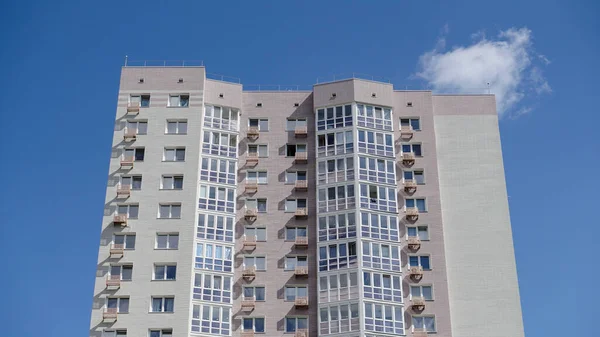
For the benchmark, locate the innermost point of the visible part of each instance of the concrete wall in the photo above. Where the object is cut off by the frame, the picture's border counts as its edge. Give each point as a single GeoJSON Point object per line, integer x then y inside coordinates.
{"type": "Point", "coordinates": [482, 279]}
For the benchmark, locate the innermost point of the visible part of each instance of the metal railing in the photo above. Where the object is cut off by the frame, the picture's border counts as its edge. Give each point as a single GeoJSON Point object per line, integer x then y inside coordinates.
{"type": "Point", "coordinates": [347, 76]}
{"type": "Point", "coordinates": [277, 87]}
{"type": "Point", "coordinates": [163, 63]}
{"type": "Point", "coordinates": [223, 78]}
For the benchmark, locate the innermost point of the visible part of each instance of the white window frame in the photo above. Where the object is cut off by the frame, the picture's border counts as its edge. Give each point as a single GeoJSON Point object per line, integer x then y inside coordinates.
{"type": "Point", "coordinates": [212, 143]}
{"type": "Point", "coordinates": [162, 305]}
{"type": "Point", "coordinates": [257, 177]}
{"type": "Point", "coordinates": [416, 227]}
{"type": "Point", "coordinates": [410, 122]}
{"type": "Point", "coordinates": [412, 325]}
{"type": "Point", "coordinates": [396, 311]}
{"type": "Point", "coordinates": [115, 333]}
{"type": "Point", "coordinates": [296, 288]}
{"type": "Point", "coordinates": [138, 98]}
{"type": "Point", "coordinates": [381, 275]}
{"type": "Point", "coordinates": [335, 143]}
{"type": "Point", "coordinates": [211, 251]}
{"type": "Point", "coordinates": [367, 173]}
{"type": "Point", "coordinates": [298, 122]}
{"type": "Point", "coordinates": [255, 201]}
{"type": "Point", "coordinates": [125, 236]}
{"type": "Point", "coordinates": [218, 170]}
{"type": "Point", "coordinates": [168, 242]}
{"type": "Point", "coordinates": [171, 207]}
{"type": "Point", "coordinates": [366, 116]}
{"type": "Point", "coordinates": [415, 201]}
{"type": "Point", "coordinates": [254, 324]}
{"type": "Point", "coordinates": [225, 286]}
{"type": "Point", "coordinates": [297, 230]}
{"type": "Point", "coordinates": [253, 287]}
{"type": "Point", "coordinates": [296, 263]}
{"type": "Point", "coordinates": [350, 290]}
{"type": "Point", "coordinates": [129, 207]}
{"type": "Point", "coordinates": [165, 272]}
{"type": "Point", "coordinates": [180, 98]}
{"type": "Point", "coordinates": [208, 227]}
{"type": "Point", "coordinates": [412, 174]}
{"type": "Point", "coordinates": [163, 332]}
{"type": "Point", "coordinates": [339, 174]}
{"type": "Point", "coordinates": [297, 147]}
{"type": "Point", "coordinates": [224, 313]}
{"type": "Point", "coordinates": [254, 257]}
{"type": "Point", "coordinates": [296, 174]}
{"type": "Point", "coordinates": [258, 147]}
{"type": "Point", "coordinates": [175, 151]}
{"type": "Point", "coordinates": [164, 186]}
{"type": "Point", "coordinates": [296, 204]}
{"type": "Point", "coordinates": [250, 231]}
{"type": "Point", "coordinates": [347, 228]}
{"type": "Point", "coordinates": [364, 145]}
{"type": "Point", "coordinates": [178, 125]}
{"type": "Point", "coordinates": [135, 125]}
{"type": "Point", "coordinates": [412, 150]}
{"type": "Point", "coordinates": [131, 178]}
{"type": "Point", "coordinates": [420, 256]}
{"type": "Point", "coordinates": [259, 123]}
{"type": "Point", "coordinates": [420, 287]}
{"type": "Point", "coordinates": [220, 117]}
{"type": "Point", "coordinates": [296, 317]}
{"type": "Point", "coordinates": [335, 121]}
{"type": "Point", "coordinates": [134, 150]}
{"type": "Point", "coordinates": [375, 230]}
{"type": "Point", "coordinates": [119, 299]}
{"type": "Point", "coordinates": [121, 266]}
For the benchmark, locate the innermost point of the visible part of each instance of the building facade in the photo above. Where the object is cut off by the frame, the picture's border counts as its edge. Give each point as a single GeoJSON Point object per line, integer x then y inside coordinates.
{"type": "Point", "coordinates": [352, 209]}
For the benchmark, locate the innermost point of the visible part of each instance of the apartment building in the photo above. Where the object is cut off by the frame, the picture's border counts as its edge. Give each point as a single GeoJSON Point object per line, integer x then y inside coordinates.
{"type": "Point", "coordinates": [351, 209]}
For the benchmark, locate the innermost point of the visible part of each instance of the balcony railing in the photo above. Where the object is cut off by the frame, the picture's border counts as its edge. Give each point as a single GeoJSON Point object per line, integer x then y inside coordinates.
{"type": "Point", "coordinates": [406, 131]}
{"type": "Point", "coordinates": [109, 315]}
{"type": "Point", "coordinates": [301, 333]}
{"type": "Point", "coordinates": [113, 281]}
{"type": "Point", "coordinates": [414, 242]}
{"type": "Point", "coordinates": [416, 273]}
{"type": "Point", "coordinates": [129, 135]}
{"type": "Point", "coordinates": [248, 303]}
{"type": "Point", "coordinates": [301, 157]}
{"type": "Point", "coordinates": [117, 250]}
{"type": "Point", "coordinates": [249, 242]}
{"type": "Point", "coordinates": [120, 219]}
{"type": "Point", "coordinates": [301, 302]}
{"type": "Point", "coordinates": [127, 162]}
{"type": "Point", "coordinates": [251, 214]}
{"type": "Point", "coordinates": [412, 213]}
{"type": "Point", "coordinates": [249, 272]}
{"type": "Point", "coordinates": [133, 108]}
{"type": "Point", "coordinates": [123, 191]}
{"type": "Point", "coordinates": [417, 304]}
{"type": "Point", "coordinates": [301, 271]}
{"type": "Point", "coordinates": [410, 185]}
{"type": "Point", "coordinates": [301, 185]}
{"type": "Point", "coordinates": [301, 212]}
{"type": "Point", "coordinates": [301, 241]}
{"type": "Point", "coordinates": [408, 158]}
{"type": "Point", "coordinates": [251, 187]}
{"type": "Point", "coordinates": [301, 131]}
{"type": "Point", "coordinates": [247, 334]}
{"type": "Point", "coordinates": [253, 132]}
{"type": "Point", "coordinates": [252, 158]}
{"type": "Point", "coordinates": [419, 332]}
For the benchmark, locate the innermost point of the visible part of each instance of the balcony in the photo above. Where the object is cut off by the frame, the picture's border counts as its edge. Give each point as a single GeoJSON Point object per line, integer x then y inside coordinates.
{"type": "Point", "coordinates": [301, 302]}
{"type": "Point", "coordinates": [416, 273]}
{"type": "Point", "coordinates": [123, 191]}
{"type": "Point", "coordinates": [301, 212]}
{"type": "Point", "coordinates": [301, 157]}
{"type": "Point", "coordinates": [413, 243]}
{"type": "Point", "coordinates": [247, 334]}
{"type": "Point", "coordinates": [408, 159]}
{"type": "Point", "coordinates": [252, 158]}
{"type": "Point", "coordinates": [301, 185]}
{"type": "Point", "coordinates": [251, 187]}
{"type": "Point", "coordinates": [109, 315]}
{"type": "Point", "coordinates": [120, 219]}
{"type": "Point", "coordinates": [406, 132]}
{"type": "Point", "coordinates": [117, 250]}
{"type": "Point", "coordinates": [113, 282]}
{"type": "Point", "coordinates": [127, 163]}
{"type": "Point", "coordinates": [417, 304]}
{"type": "Point", "coordinates": [410, 186]}
{"type": "Point", "coordinates": [253, 132]}
{"type": "Point", "coordinates": [249, 272]}
{"type": "Point", "coordinates": [129, 135]}
{"type": "Point", "coordinates": [251, 214]}
{"type": "Point", "coordinates": [248, 303]}
{"type": "Point", "coordinates": [412, 213]}
{"type": "Point", "coordinates": [301, 333]}
{"type": "Point", "coordinates": [301, 271]}
{"type": "Point", "coordinates": [249, 242]}
{"type": "Point", "coordinates": [301, 241]}
{"type": "Point", "coordinates": [133, 108]}
{"type": "Point", "coordinates": [301, 131]}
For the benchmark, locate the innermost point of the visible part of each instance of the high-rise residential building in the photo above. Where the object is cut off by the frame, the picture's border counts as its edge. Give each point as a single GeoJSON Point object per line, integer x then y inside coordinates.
{"type": "Point", "coordinates": [351, 209]}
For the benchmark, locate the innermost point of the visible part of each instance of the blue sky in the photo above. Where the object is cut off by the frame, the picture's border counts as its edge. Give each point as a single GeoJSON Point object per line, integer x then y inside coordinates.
{"type": "Point", "coordinates": [60, 73]}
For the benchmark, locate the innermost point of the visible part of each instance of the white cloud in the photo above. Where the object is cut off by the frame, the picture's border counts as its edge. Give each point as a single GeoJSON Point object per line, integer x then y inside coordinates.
{"type": "Point", "coordinates": [507, 64]}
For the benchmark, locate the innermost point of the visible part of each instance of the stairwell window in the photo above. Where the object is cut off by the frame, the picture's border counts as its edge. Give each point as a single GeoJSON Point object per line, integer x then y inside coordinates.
{"type": "Point", "coordinates": [174, 154]}
{"type": "Point", "coordinates": [179, 100]}
{"type": "Point", "coordinates": [169, 211]}
{"type": "Point", "coordinates": [162, 304]}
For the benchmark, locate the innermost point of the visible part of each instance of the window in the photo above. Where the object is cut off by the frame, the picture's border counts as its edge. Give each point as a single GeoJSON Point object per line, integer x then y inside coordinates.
{"type": "Point", "coordinates": [260, 262]}
{"type": "Point", "coordinates": [337, 256]}
{"type": "Point", "coordinates": [257, 292]}
{"type": "Point", "coordinates": [214, 198]}
{"type": "Point", "coordinates": [426, 323]}
{"type": "Point", "coordinates": [374, 117]}
{"type": "Point", "coordinates": [260, 150]}
{"type": "Point", "coordinates": [220, 171]}
{"type": "Point", "coordinates": [384, 318]}
{"type": "Point", "coordinates": [421, 232]}
{"type": "Point", "coordinates": [142, 100]}
{"type": "Point", "coordinates": [172, 182]}
{"type": "Point", "coordinates": [261, 123]}
{"type": "Point", "coordinates": [182, 100]}
{"type": "Point", "coordinates": [211, 319]}
{"type": "Point", "coordinates": [132, 182]}
{"type": "Point", "coordinates": [336, 170]}
{"type": "Point", "coordinates": [292, 324]}
{"type": "Point", "coordinates": [124, 271]}
{"type": "Point", "coordinates": [136, 153]}
{"type": "Point", "coordinates": [334, 117]}
{"type": "Point", "coordinates": [120, 304]}
{"type": "Point", "coordinates": [215, 227]}
{"type": "Point", "coordinates": [292, 124]}
{"type": "Point", "coordinates": [214, 257]}
{"type": "Point", "coordinates": [379, 226]}
{"type": "Point", "coordinates": [223, 118]}
{"type": "Point", "coordinates": [291, 262]}
{"type": "Point", "coordinates": [413, 123]}
{"type": "Point", "coordinates": [422, 291]}
{"type": "Point", "coordinates": [337, 226]}
{"type": "Point", "coordinates": [419, 261]}
{"type": "Point", "coordinates": [293, 292]}
{"type": "Point", "coordinates": [126, 240]}
{"type": "Point", "coordinates": [381, 256]}
{"type": "Point", "coordinates": [292, 176]}
{"type": "Point", "coordinates": [176, 154]}
{"type": "Point", "coordinates": [291, 149]}
{"type": "Point", "coordinates": [418, 203]}
{"type": "Point", "coordinates": [377, 170]}
{"type": "Point", "coordinates": [291, 233]}
{"type": "Point", "coordinates": [258, 204]}
{"type": "Point", "coordinates": [213, 288]}
{"type": "Point", "coordinates": [339, 318]}
{"type": "Point", "coordinates": [176, 127]}
{"type": "Point", "coordinates": [165, 272]}
{"type": "Point", "coordinates": [219, 144]}
{"type": "Point", "coordinates": [378, 198]}
{"type": "Point", "coordinates": [291, 205]}
{"type": "Point", "coordinates": [376, 143]}
{"type": "Point", "coordinates": [335, 143]}
{"type": "Point", "coordinates": [131, 211]}
{"type": "Point", "coordinates": [169, 211]}
{"type": "Point", "coordinates": [338, 287]}
{"type": "Point", "coordinates": [380, 286]}
{"type": "Point", "coordinates": [161, 333]}
{"type": "Point", "coordinates": [414, 148]}
{"type": "Point", "coordinates": [417, 175]}
{"type": "Point", "coordinates": [259, 233]}
{"type": "Point", "coordinates": [167, 241]}
{"type": "Point", "coordinates": [256, 324]}
{"type": "Point", "coordinates": [162, 304]}
{"type": "Point", "coordinates": [137, 127]}
{"type": "Point", "coordinates": [256, 177]}
{"type": "Point", "coordinates": [114, 333]}
{"type": "Point", "coordinates": [336, 198]}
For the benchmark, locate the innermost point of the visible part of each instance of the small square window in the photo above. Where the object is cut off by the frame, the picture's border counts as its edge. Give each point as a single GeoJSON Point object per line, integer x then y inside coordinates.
{"type": "Point", "coordinates": [259, 105]}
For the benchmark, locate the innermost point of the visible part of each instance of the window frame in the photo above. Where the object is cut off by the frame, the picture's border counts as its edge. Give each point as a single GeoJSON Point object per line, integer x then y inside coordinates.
{"type": "Point", "coordinates": [210, 226]}
{"type": "Point", "coordinates": [257, 179]}
{"type": "Point", "coordinates": [163, 304]}
{"type": "Point", "coordinates": [124, 235]}
{"type": "Point", "coordinates": [222, 294]}
{"type": "Point", "coordinates": [178, 123]}
{"type": "Point", "coordinates": [171, 207]}
{"type": "Point", "coordinates": [182, 97]}
{"type": "Point", "coordinates": [165, 272]}
{"type": "Point", "coordinates": [129, 207]}
{"type": "Point", "coordinates": [247, 229]}
{"type": "Point", "coordinates": [296, 174]}
{"type": "Point", "coordinates": [295, 121]}
{"type": "Point", "coordinates": [176, 151]}
{"type": "Point", "coordinates": [412, 323]}
{"type": "Point", "coordinates": [121, 267]}
{"type": "Point", "coordinates": [136, 127]}
{"type": "Point", "coordinates": [295, 287]}
{"type": "Point", "coordinates": [410, 123]}
{"type": "Point", "coordinates": [296, 318]}
{"type": "Point", "coordinates": [419, 259]}
{"type": "Point", "coordinates": [418, 231]}
{"type": "Point", "coordinates": [258, 200]}
{"type": "Point", "coordinates": [212, 262]}
{"type": "Point", "coordinates": [412, 150]}
{"type": "Point", "coordinates": [416, 203]}
{"type": "Point", "coordinates": [173, 177]}
{"type": "Point", "coordinates": [254, 318]}
{"type": "Point", "coordinates": [346, 120]}
{"type": "Point", "coordinates": [168, 241]}
{"type": "Point", "coordinates": [253, 287]}
{"type": "Point", "coordinates": [296, 263]}
{"type": "Point", "coordinates": [162, 332]}
{"type": "Point", "coordinates": [297, 202]}
{"type": "Point", "coordinates": [421, 286]}
{"type": "Point", "coordinates": [258, 147]}
{"type": "Point", "coordinates": [119, 299]}
{"type": "Point", "coordinates": [138, 152]}
{"type": "Point", "coordinates": [143, 98]}
{"type": "Point", "coordinates": [254, 257]}
{"type": "Point", "coordinates": [258, 123]}
{"type": "Point", "coordinates": [413, 175]}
